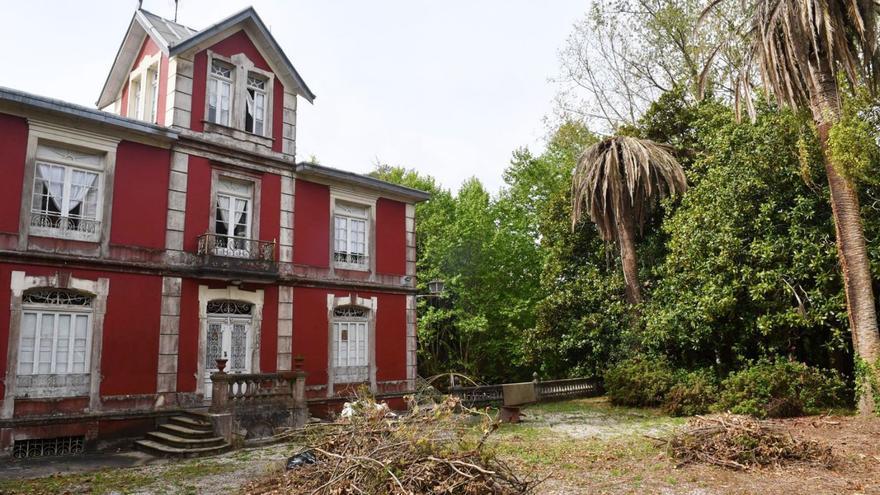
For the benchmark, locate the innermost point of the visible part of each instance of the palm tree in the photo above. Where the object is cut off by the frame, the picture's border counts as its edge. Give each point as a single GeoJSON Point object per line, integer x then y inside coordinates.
{"type": "Point", "coordinates": [618, 180]}
{"type": "Point", "coordinates": [802, 46]}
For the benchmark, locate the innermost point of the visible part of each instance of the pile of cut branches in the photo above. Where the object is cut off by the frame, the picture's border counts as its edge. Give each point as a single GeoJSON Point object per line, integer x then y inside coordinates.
{"type": "Point", "coordinates": [435, 449]}
{"type": "Point", "coordinates": [741, 442]}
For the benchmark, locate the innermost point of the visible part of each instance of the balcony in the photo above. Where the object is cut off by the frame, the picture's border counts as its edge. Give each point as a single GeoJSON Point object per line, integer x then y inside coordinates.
{"type": "Point", "coordinates": [230, 257]}
{"type": "Point", "coordinates": [50, 224]}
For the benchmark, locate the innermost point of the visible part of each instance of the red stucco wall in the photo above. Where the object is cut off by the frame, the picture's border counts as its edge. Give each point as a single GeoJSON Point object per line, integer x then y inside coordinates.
{"type": "Point", "coordinates": [310, 332]}
{"type": "Point", "coordinates": [130, 356]}
{"type": "Point", "coordinates": [13, 148]}
{"type": "Point", "coordinates": [236, 43]}
{"type": "Point", "coordinates": [130, 351]}
{"type": "Point", "coordinates": [140, 195]}
{"type": "Point", "coordinates": [390, 237]}
{"type": "Point", "coordinates": [311, 224]}
{"type": "Point", "coordinates": [198, 201]}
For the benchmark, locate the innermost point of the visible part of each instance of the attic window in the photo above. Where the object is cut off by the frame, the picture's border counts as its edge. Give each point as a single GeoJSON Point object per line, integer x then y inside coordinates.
{"type": "Point", "coordinates": [255, 114]}
{"type": "Point", "coordinates": [220, 92]}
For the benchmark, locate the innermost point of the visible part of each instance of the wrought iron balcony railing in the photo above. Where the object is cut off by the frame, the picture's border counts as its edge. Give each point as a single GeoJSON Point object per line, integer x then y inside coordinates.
{"type": "Point", "coordinates": [67, 227]}
{"type": "Point", "coordinates": [236, 247]}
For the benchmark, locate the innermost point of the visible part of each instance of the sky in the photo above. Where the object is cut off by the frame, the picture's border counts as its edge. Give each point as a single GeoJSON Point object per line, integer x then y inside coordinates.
{"type": "Point", "coordinates": [449, 88]}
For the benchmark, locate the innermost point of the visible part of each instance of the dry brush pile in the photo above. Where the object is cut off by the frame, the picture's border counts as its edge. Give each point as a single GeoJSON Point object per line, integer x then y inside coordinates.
{"type": "Point", "coordinates": [741, 442]}
{"type": "Point", "coordinates": [437, 449]}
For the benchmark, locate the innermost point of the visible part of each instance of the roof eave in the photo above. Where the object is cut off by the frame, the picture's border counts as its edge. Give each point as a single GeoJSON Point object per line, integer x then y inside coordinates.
{"type": "Point", "coordinates": [42, 103]}
{"type": "Point", "coordinates": [245, 15]}
{"type": "Point", "coordinates": [403, 192]}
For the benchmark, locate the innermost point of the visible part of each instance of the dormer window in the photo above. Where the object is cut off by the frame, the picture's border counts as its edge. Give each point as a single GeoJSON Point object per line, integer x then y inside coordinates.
{"type": "Point", "coordinates": [220, 87]}
{"type": "Point", "coordinates": [137, 100]}
{"type": "Point", "coordinates": [255, 114]}
{"type": "Point", "coordinates": [239, 98]}
{"type": "Point", "coordinates": [143, 92]}
{"type": "Point", "coordinates": [154, 96]}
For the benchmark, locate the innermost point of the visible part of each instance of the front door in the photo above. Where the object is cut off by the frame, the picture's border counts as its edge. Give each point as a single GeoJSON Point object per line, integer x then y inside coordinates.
{"type": "Point", "coordinates": [229, 338]}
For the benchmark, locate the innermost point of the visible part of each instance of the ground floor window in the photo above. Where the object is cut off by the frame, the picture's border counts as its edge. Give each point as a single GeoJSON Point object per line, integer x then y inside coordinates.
{"type": "Point", "coordinates": [55, 333]}
{"type": "Point", "coordinates": [350, 344]}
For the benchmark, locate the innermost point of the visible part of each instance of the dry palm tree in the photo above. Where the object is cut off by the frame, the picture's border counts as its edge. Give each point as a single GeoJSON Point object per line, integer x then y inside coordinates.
{"type": "Point", "coordinates": [617, 181]}
{"type": "Point", "coordinates": [802, 46]}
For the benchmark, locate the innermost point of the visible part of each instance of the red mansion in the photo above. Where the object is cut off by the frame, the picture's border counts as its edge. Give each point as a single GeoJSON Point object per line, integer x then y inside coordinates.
{"type": "Point", "coordinates": [142, 242]}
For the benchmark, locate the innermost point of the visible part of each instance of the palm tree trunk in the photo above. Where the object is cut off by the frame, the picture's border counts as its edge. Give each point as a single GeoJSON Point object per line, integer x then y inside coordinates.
{"type": "Point", "coordinates": [626, 236]}
{"type": "Point", "coordinates": [851, 249]}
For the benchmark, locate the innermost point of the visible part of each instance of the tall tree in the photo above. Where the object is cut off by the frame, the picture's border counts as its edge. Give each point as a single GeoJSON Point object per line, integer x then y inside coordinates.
{"type": "Point", "coordinates": [802, 46]}
{"type": "Point", "coordinates": [618, 180]}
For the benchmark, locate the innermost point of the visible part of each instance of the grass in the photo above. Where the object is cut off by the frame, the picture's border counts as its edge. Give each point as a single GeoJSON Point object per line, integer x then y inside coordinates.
{"type": "Point", "coordinates": [98, 482]}
{"type": "Point", "coordinates": [180, 475]}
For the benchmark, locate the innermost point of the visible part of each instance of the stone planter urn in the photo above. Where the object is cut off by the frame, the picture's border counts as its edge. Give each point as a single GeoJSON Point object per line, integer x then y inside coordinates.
{"type": "Point", "coordinates": [221, 364]}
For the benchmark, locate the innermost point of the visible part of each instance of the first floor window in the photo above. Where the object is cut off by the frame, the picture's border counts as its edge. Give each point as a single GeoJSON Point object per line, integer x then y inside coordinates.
{"type": "Point", "coordinates": [233, 218]}
{"type": "Point", "coordinates": [220, 93]}
{"type": "Point", "coordinates": [65, 200]}
{"type": "Point", "coordinates": [55, 333]}
{"type": "Point", "coordinates": [351, 346]}
{"type": "Point", "coordinates": [350, 235]}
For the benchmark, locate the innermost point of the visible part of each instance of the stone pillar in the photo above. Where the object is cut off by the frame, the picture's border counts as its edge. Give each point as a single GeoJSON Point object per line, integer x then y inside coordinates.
{"type": "Point", "coordinates": [169, 327]}
{"type": "Point", "coordinates": [220, 410]}
{"type": "Point", "coordinates": [300, 406]}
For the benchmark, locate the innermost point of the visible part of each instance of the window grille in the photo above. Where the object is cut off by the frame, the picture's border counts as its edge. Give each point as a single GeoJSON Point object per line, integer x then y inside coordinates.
{"type": "Point", "coordinates": [46, 447]}
{"type": "Point", "coordinates": [225, 307]}
{"type": "Point", "coordinates": [57, 296]}
{"type": "Point", "coordinates": [350, 312]}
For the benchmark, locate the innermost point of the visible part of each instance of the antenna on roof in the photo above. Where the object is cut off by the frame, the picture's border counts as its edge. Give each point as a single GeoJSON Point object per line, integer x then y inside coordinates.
{"type": "Point", "coordinates": [175, 10]}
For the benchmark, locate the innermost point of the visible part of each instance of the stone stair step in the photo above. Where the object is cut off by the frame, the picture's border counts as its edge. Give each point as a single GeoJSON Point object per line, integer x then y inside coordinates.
{"type": "Point", "coordinates": [161, 449]}
{"type": "Point", "coordinates": [182, 442]}
{"type": "Point", "coordinates": [185, 432]}
{"type": "Point", "coordinates": [191, 423]}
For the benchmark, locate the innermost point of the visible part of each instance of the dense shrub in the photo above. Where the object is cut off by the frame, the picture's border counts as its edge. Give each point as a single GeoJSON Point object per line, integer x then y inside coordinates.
{"type": "Point", "coordinates": [781, 389]}
{"type": "Point", "coordinates": [693, 393]}
{"type": "Point", "coordinates": [639, 381]}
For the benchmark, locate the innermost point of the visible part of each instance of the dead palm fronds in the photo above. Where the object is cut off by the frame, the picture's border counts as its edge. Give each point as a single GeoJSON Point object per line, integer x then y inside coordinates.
{"type": "Point", "coordinates": [617, 181]}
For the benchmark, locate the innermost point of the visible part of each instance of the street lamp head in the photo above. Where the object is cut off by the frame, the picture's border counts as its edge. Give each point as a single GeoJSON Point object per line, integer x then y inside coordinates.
{"type": "Point", "coordinates": [435, 287]}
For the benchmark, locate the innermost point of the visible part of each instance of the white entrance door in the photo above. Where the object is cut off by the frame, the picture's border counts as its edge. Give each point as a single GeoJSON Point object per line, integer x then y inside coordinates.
{"type": "Point", "coordinates": [228, 337]}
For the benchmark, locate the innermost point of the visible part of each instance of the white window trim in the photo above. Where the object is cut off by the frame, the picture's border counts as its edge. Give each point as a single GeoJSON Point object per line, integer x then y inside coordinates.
{"type": "Point", "coordinates": [238, 98]}
{"type": "Point", "coordinates": [76, 140]}
{"type": "Point", "coordinates": [69, 166]}
{"type": "Point", "coordinates": [21, 282]}
{"type": "Point", "coordinates": [371, 305]}
{"type": "Point", "coordinates": [235, 294]}
{"type": "Point", "coordinates": [369, 204]}
{"type": "Point", "coordinates": [231, 221]}
{"type": "Point", "coordinates": [217, 175]}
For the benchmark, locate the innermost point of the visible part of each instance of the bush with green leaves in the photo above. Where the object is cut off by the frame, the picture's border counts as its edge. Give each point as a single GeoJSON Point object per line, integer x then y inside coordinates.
{"type": "Point", "coordinates": [639, 381]}
{"type": "Point", "coordinates": [694, 393]}
{"type": "Point", "coordinates": [782, 388]}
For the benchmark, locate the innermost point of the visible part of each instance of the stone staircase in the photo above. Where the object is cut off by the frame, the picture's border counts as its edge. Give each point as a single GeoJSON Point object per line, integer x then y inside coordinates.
{"type": "Point", "coordinates": [187, 435]}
